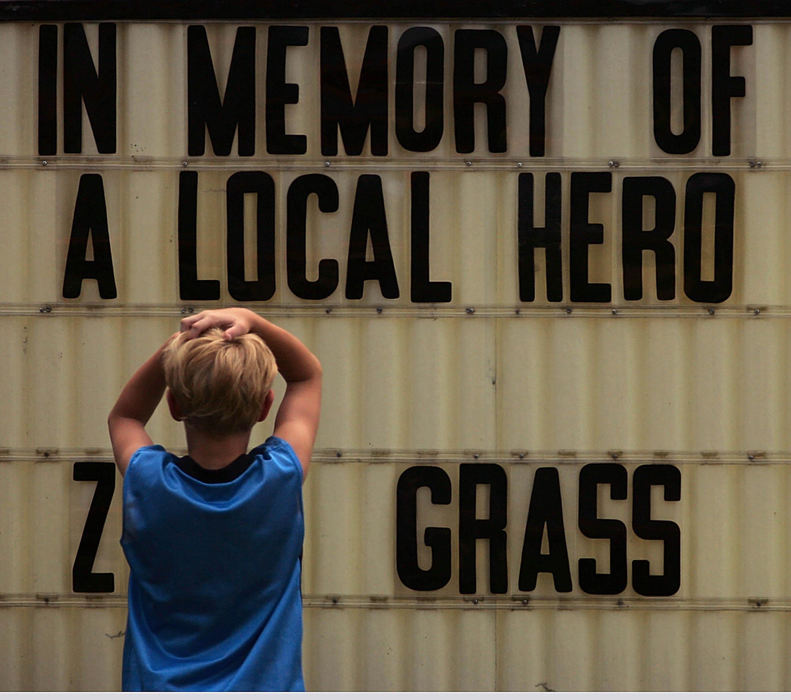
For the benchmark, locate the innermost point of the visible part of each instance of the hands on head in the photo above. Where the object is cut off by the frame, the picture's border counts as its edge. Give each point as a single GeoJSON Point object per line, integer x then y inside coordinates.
{"type": "Point", "coordinates": [232, 321]}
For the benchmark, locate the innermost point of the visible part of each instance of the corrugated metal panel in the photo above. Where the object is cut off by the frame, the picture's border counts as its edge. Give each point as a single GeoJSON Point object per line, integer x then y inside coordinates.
{"type": "Point", "coordinates": [484, 379]}
{"type": "Point", "coordinates": [595, 113]}
{"type": "Point", "coordinates": [590, 385]}
{"type": "Point", "coordinates": [365, 629]}
{"type": "Point", "coordinates": [61, 647]}
{"type": "Point", "coordinates": [561, 650]}
{"type": "Point", "coordinates": [467, 211]}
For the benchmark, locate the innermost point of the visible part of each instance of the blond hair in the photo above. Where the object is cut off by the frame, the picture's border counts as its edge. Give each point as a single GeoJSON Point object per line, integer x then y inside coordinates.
{"type": "Point", "coordinates": [219, 385]}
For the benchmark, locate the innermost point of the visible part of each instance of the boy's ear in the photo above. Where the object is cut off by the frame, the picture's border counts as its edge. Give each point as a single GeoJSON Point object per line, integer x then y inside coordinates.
{"type": "Point", "coordinates": [175, 411]}
{"type": "Point", "coordinates": [270, 397]}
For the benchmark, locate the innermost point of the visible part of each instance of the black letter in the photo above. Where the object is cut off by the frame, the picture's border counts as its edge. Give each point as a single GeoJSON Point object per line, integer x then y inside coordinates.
{"type": "Point", "coordinates": [436, 538]}
{"type": "Point", "coordinates": [83, 580]}
{"type": "Point", "coordinates": [263, 287]}
{"type": "Point", "coordinates": [466, 92]}
{"type": "Point", "coordinates": [723, 84]}
{"type": "Point", "coordinates": [190, 287]}
{"type": "Point", "coordinates": [90, 218]}
{"type": "Point", "coordinates": [337, 107]}
{"type": "Point", "coordinates": [423, 289]}
{"type": "Point", "coordinates": [546, 508]}
{"type": "Point", "coordinates": [643, 581]}
{"type": "Point", "coordinates": [720, 288]}
{"type": "Point", "coordinates": [636, 239]}
{"type": "Point", "coordinates": [48, 89]}
{"type": "Point", "coordinates": [491, 528]}
{"type": "Point", "coordinates": [279, 93]}
{"type": "Point", "coordinates": [537, 64]}
{"type": "Point", "coordinates": [369, 216]}
{"type": "Point", "coordinates": [584, 233]}
{"type": "Point", "coordinates": [429, 138]}
{"type": "Point", "coordinates": [327, 194]}
{"type": "Point", "coordinates": [83, 83]}
{"type": "Point", "coordinates": [237, 107]}
{"type": "Point", "coordinates": [688, 43]}
{"type": "Point", "coordinates": [531, 237]}
{"type": "Point", "coordinates": [592, 526]}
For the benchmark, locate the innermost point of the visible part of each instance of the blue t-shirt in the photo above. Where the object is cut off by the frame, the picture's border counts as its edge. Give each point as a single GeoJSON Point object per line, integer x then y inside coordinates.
{"type": "Point", "coordinates": [214, 583]}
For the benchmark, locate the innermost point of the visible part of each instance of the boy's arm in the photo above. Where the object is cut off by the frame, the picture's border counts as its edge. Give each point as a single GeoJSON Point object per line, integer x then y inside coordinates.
{"type": "Point", "coordinates": [297, 418]}
{"type": "Point", "coordinates": [133, 408]}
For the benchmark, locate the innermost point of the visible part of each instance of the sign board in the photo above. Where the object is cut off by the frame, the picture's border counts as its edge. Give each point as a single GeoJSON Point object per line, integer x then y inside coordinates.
{"type": "Point", "coordinates": [542, 262]}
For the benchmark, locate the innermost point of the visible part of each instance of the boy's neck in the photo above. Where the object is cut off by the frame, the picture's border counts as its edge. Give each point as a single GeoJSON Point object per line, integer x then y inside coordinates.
{"type": "Point", "coordinates": [212, 452]}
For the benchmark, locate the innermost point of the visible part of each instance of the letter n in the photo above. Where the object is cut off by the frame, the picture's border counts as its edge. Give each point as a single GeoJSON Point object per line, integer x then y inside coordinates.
{"type": "Point", "coordinates": [84, 84]}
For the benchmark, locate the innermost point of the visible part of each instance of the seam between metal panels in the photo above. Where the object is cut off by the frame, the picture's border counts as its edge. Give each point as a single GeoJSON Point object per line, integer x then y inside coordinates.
{"type": "Point", "coordinates": [512, 603]}
{"type": "Point", "coordinates": [94, 310]}
{"type": "Point", "coordinates": [329, 456]}
{"type": "Point", "coordinates": [526, 603]}
{"type": "Point", "coordinates": [513, 163]}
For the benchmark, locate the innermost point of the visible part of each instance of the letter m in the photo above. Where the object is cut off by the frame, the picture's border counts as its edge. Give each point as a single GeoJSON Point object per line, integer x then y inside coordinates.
{"type": "Point", "coordinates": [206, 109]}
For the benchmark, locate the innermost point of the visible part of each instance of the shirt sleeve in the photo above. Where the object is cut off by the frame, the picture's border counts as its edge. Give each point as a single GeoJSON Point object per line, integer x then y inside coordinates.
{"type": "Point", "coordinates": [141, 453]}
{"type": "Point", "coordinates": [278, 446]}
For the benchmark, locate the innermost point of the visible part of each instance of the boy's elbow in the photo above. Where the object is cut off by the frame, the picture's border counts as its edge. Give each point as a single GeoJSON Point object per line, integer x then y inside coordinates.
{"type": "Point", "coordinates": [113, 420]}
{"type": "Point", "coordinates": [113, 424]}
{"type": "Point", "coordinates": [311, 369]}
{"type": "Point", "coordinates": [119, 416]}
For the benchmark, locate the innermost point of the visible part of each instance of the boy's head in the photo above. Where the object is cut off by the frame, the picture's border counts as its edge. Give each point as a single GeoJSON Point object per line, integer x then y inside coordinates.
{"type": "Point", "coordinates": [219, 386]}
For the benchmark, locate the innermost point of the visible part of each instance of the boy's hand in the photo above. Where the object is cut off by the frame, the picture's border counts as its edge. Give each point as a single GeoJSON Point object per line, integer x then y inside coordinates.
{"type": "Point", "coordinates": [234, 321]}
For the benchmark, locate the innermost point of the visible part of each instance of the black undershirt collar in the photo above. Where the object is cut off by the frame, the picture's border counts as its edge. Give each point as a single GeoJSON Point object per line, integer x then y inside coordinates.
{"type": "Point", "coordinates": [215, 476]}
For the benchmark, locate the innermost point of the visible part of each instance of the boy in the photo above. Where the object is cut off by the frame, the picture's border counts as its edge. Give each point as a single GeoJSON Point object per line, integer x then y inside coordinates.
{"type": "Point", "coordinates": [214, 539]}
